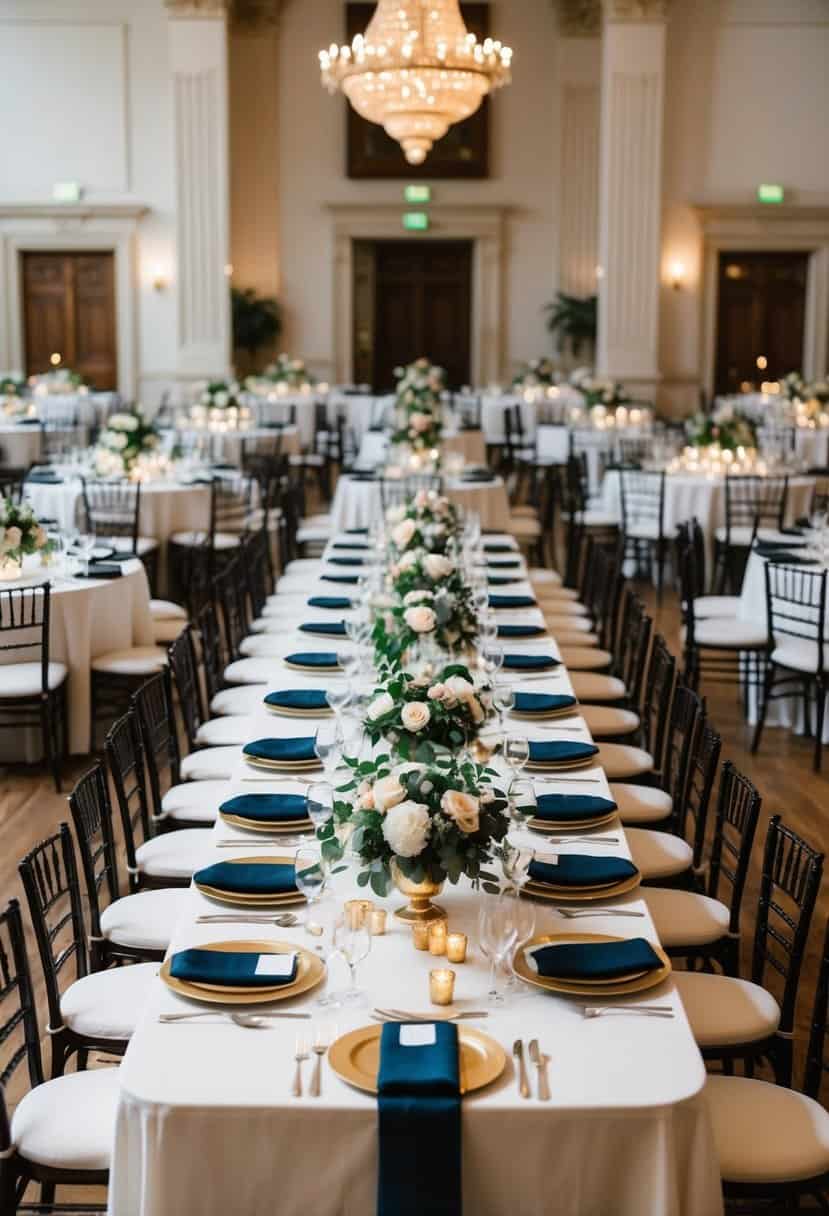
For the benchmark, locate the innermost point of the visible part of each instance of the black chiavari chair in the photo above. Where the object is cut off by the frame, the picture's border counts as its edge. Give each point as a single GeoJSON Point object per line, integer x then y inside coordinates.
{"type": "Point", "coordinates": [112, 512]}
{"type": "Point", "coordinates": [645, 534]}
{"type": "Point", "coordinates": [397, 491]}
{"type": "Point", "coordinates": [753, 504]}
{"type": "Point", "coordinates": [624, 763]}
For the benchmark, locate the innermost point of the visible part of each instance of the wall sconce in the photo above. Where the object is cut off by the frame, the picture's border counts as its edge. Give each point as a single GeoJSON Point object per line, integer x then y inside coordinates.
{"type": "Point", "coordinates": [158, 279]}
{"type": "Point", "coordinates": [676, 275]}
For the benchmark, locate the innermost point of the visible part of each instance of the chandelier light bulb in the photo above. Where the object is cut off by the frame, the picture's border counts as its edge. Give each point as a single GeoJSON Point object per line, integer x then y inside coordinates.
{"type": "Point", "coordinates": [416, 71]}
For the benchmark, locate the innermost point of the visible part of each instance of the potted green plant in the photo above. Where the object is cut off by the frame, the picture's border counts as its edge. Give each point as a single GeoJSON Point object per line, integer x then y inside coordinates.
{"type": "Point", "coordinates": [257, 321]}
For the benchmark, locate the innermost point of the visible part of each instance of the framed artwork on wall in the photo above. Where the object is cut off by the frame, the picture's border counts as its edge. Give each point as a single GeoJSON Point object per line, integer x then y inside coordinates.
{"type": "Point", "coordinates": [462, 153]}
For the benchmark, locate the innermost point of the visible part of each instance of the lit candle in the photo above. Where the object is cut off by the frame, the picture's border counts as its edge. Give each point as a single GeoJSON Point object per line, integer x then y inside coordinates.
{"type": "Point", "coordinates": [358, 911]}
{"type": "Point", "coordinates": [377, 922]}
{"type": "Point", "coordinates": [456, 947]}
{"type": "Point", "coordinates": [441, 986]}
{"type": "Point", "coordinates": [420, 934]}
{"type": "Point", "coordinates": [437, 937]}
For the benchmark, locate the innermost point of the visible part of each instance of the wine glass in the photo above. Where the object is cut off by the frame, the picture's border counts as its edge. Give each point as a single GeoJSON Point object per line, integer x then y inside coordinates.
{"type": "Point", "coordinates": [308, 874]}
{"type": "Point", "coordinates": [347, 661]}
{"type": "Point", "coordinates": [523, 803]}
{"type": "Point", "coordinates": [327, 742]}
{"type": "Point", "coordinates": [497, 934]}
{"type": "Point", "coordinates": [84, 545]}
{"type": "Point", "coordinates": [524, 917]}
{"type": "Point", "coordinates": [493, 657]}
{"type": "Point", "coordinates": [320, 803]}
{"type": "Point", "coordinates": [338, 695]}
{"type": "Point", "coordinates": [352, 942]}
{"type": "Point", "coordinates": [515, 863]}
{"type": "Point", "coordinates": [504, 699]}
{"type": "Point", "coordinates": [516, 752]}
{"type": "Point", "coordinates": [320, 925]}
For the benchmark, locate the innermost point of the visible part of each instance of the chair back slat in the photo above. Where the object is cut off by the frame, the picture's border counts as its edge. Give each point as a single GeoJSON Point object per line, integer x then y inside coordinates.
{"type": "Point", "coordinates": [685, 725]}
{"type": "Point", "coordinates": [656, 707]}
{"type": "Point", "coordinates": [92, 818]}
{"type": "Point", "coordinates": [817, 1058]}
{"type": "Point", "coordinates": [752, 502]}
{"type": "Point", "coordinates": [125, 758]}
{"type": "Point", "coordinates": [229, 593]}
{"type": "Point", "coordinates": [112, 508]}
{"type": "Point", "coordinates": [211, 649]}
{"type": "Point", "coordinates": [19, 1039]}
{"type": "Point", "coordinates": [703, 759]}
{"type": "Point", "coordinates": [153, 704]}
{"type": "Point", "coordinates": [738, 809]}
{"type": "Point", "coordinates": [184, 669]}
{"type": "Point", "coordinates": [643, 500]}
{"type": "Point", "coordinates": [796, 607]}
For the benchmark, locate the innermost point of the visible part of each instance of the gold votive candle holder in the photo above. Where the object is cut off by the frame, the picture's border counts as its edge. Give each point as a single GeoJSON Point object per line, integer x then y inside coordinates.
{"type": "Point", "coordinates": [377, 922]}
{"type": "Point", "coordinates": [437, 937]}
{"type": "Point", "coordinates": [420, 934]}
{"type": "Point", "coordinates": [456, 947]}
{"type": "Point", "coordinates": [441, 986]}
{"type": "Point", "coordinates": [357, 912]}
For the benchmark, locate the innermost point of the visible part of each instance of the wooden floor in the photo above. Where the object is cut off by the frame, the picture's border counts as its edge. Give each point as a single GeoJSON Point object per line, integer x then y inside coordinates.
{"type": "Point", "coordinates": [30, 809]}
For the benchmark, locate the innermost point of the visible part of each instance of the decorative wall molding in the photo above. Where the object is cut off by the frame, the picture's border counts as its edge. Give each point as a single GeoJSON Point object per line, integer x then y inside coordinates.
{"type": "Point", "coordinates": [197, 8]}
{"type": "Point", "coordinates": [636, 10]}
{"type": "Point", "coordinates": [482, 224]}
{"type": "Point", "coordinates": [80, 213]}
{"type": "Point", "coordinates": [579, 177]}
{"type": "Point", "coordinates": [580, 18]}
{"type": "Point", "coordinates": [243, 13]}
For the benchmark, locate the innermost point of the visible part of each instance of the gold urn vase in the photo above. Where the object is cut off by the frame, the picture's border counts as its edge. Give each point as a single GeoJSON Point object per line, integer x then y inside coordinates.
{"type": "Point", "coordinates": [419, 894]}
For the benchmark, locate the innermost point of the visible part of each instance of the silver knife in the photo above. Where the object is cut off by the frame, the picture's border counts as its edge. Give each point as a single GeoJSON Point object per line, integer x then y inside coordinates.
{"type": "Point", "coordinates": [540, 1060]}
{"type": "Point", "coordinates": [523, 1083]}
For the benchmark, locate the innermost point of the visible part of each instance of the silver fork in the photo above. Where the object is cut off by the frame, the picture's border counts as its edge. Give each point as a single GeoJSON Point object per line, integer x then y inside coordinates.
{"type": "Point", "coordinates": [285, 921]}
{"type": "Point", "coordinates": [168, 1018]}
{"type": "Point", "coordinates": [646, 1011]}
{"type": "Point", "coordinates": [575, 913]}
{"type": "Point", "coordinates": [402, 1015]}
{"type": "Point", "coordinates": [300, 1055]}
{"type": "Point", "coordinates": [320, 1048]}
{"type": "Point", "coordinates": [582, 840]}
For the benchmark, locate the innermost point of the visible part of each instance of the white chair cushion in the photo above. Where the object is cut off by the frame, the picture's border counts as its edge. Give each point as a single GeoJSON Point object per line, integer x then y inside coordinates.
{"type": "Point", "coordinates": [764, 1133]}
{"type": "Point", "coordinates": [166, 610]}
{"type": "Point", "coordinates": [724, 1011]}
{"type": "Point", "coordinates": [716, 605]}
{"type": "Point", "coordinates": [641, 803]}
{"type": "Point", "coordinates": [590, 686]}
{"type": "Point", "coordinates": [69, 1123]}
{"type": "Point", "coordinates": [566, 637]}
{"type": "Point", "coordinates": [798, 654]}
{"type": "Point", "coordinates": [167, 631]}
{"type": "Point", "coordinates": [210, 764]}
{"type": "Point", "coordinates": [174, 854]}
{"type": "Point", "coordinates": [524, 526]}
{"type": "Point", "coordinates": [658, 854]}
{"type": "Point", "coordinates": [684, 918]}
{"type": "Point", "coordinates": [135, 661]}
{"type": "Point", "coordinates": [143, 545]}
{"type": "Point", "coordinates": [620, 761]}
{"type": "Point", "coordinates": [26, 680]}
{"type": "Point", "coordinates": [308, 534]}
{"type": "Point", "coordinates": [729, 632]}
{"type": "Point", "coordinates": [301, 565]}
{"type": "Point", "coordinates": [604, 720]}
{"type": "Point", "coordinates": [231, 730]}
{"type": "Point", "coordinates": [242, 699]}
{"type": "Point", "coordinates": [144, 921]}
{"type": "Point", "coordinates": [221, 540]}
{"type": "Point", "coordinates": [646, 529]}
{"type": "Point", "coordinates": [585, 658]}
{"type": "Point", "coordinates": [272, 645]}
{"type": "Point", "coordinates": [107, 1004]}
{"type": "Point", "coordinates": [198, 801]}
{"type": "Point", "coordinates": [541, 577]}
{"type": "Point", "coordinates": [253, 671]}
{"type": "Point", "coordinates": [569, 610]}
{"type": "Point", "coordinates": [594, 517]}
{"type": "Point", "coordinates": [498, 538]}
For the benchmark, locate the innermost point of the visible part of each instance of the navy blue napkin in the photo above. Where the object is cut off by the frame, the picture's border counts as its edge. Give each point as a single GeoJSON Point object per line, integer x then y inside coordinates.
{"type": "Point", "coordinates": [542, 702]}
{"type": "Point", "coordinates": [477, 476]}
{"type": "Point", "coordinates": [582, 870]}
{"type": "Point", "coordinates": [231, 967]}
{"type": "Point", "coordinates": [345, 544]}
{"type": "Point", "coordinates": [332, 602]}
{"type": "Point", "coordinates": [333, 629]}
{"type": "Point", "coordinates": [356, 531]}
{"type": "Point", "coordinates": [502, 580]}
{"type": "Point", "coordinates": [790, 559]}
{"type": "Point", "coordinates": [103, 570]}
{"type": "Point", "coordinates": [511, 565]}
{"type": "Point", "coordinates": [530, 662]}
{"type": "Point", "coordinates": [493, 546]}
{"type": "Point", "coordinates": [563, 807]}
{"type": "Point", "coordinates": [46, 478]}
{"type": "Point", "coordinates": [351, 579]}
{"type": "Point", "coordinates": [345, 561]}
{"type": "Point", "coordinates": [298, 698]}
{"type": "Point", "coordinates": [512, 601]}
{"type": "Point", "coordinates": [596, 960]}
{"type": "Point", "coordinates": [117, 555]}
{"type": "Point", "coordinates": [775, 546]}
{"type": "Point", "coordinates": [248, 878]}
{"type": "Point", "coordinates": [281, 749]}
{"type": "Point", "coordinates": [558, 751]}
{"type": "Point", "coordinates": [267, 808]}
{"type": "Point", "coordinates": [419, 1114]}
{"type": "Point", "coordinates": [521, 631]}
{"type": "Point", "coordinates": [325, 660]}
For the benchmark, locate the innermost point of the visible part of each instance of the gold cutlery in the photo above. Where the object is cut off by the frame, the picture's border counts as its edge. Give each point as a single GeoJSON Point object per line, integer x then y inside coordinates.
{"type": "Point", "coordinates": [403, 1015]}
{"type": "Point", "coordinates": [300, 1056]}
{"type": "Point", "coordinates": [285, 921]}
{"type": "Point", "coordinates": [575, 913]}
{"type": "Point", "coordinates": [172, 1018]}
{"type": "Point", "coordinates": [320, 1048]}
{"type": "Point", "coordinates": [260, 844]}
{"type": "Point", "coordinates": [577, 840]}
{"type": "Point", "coordinates": [540, 1060]}
{"type": "Point", "coordinates": [647, 1011]}
{"type": "Point", "coordinates": [523, 1083]}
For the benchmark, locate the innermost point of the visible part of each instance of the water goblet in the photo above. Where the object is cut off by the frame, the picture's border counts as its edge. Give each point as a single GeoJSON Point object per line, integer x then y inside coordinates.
{"type": "Point", "coordinates": [352, 942]}
{"type": "Point", "coordinates": [523, 803]}
{"type": "Point", "coordinates": [308, 873]}
{"type": "Point", "coordinates": [497, 934]}
{"type": "Point", "coordinates": [320, 803]}
{"type": "Point", "coordinates": [84, 546]}
{"type": "Point", "coordinates": [347, 661]}
{"type": "Point", "coordinates": [338, 695]}
{"type": "Point", "coordinates": [504, 699]}
{"type": "Point", "coordinates": [524, 916]}
{"type": "Point", "coordinates": [516, 752]}
{"type": "Point", "coordinates": [327, 743]}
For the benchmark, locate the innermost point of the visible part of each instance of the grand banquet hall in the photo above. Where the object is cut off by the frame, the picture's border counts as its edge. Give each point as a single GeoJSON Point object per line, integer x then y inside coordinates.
{"type": "Point", "coordinates": [414, 639]}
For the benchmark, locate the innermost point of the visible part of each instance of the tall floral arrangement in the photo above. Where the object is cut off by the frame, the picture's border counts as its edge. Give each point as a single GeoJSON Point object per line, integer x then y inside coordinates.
{"type": "Point", "coordinates": [58, 382]}
{"type": "Point", "coordinates": [726, 425]}
{"type": "Point", "coordinates": [20, 533]}
{"type": "Point", "coordinates": [428, 521]}
{"type": "Point", "coordinates": [538, 373]}
{"type": "Point", "coordinates": [292, 373]}
{"type": "Point", "coordinates": [220, 395]}
{"type": "Point", "coordinates": [417, 409]}
{"type": "Point", "coordinates": [126, 437]}
{"type": "Point", "coordinates": [595, 391]}
{"type": "Point", "coordinates": [434, 708]}
{"type": "Point", "coordinates": [793, 387]}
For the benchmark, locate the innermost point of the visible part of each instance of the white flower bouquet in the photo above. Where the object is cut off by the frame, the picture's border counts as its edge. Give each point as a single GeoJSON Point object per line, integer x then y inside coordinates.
{"type": "Point", "coordinates": [538, 373]}
{"type": "Point", "coordinates": [124, 438]}
{"type": "Point", "coordinates": [288, 371]}
{"type": "Point", "coordinates": [418, 411]}
{"type": "Point", "coordinates": [20, 533]}
{"type": "Point", "coordinates": [726, 426]}
{"type": "Point", "coordinates": [220, 395]}
{"type": "Point", "coordinates": [429, 521]}
{"type": "Point", "coordinates": [419, 713]}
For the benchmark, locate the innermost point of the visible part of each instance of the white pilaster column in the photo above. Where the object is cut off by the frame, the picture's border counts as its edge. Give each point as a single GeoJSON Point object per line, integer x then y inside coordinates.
{"type": "Point", "coordinates": [198, 67]}
{"type": "Point", "coordinates": [630, 190]}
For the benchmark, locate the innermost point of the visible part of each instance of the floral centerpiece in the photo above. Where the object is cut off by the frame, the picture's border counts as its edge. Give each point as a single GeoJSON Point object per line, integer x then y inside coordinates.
{"type": "Point", "coordinates": [124, 438]}
{"type": "Point", "coordinates": [20, 535]}
{"type": "Point", "coordinates": [416, 713]}
{"type": "Point", "coordinates": [429, 521]}
{"type": "Point", "coordinates": [220, 395]}
{"type": "Point", "coordinates": [417, 410]}
{"type": "Point", "coordinates": [607, 393]}
{"type": "Point", "coordinates": [538, 373]}
{"type": "Point", "coordinates": [285, 372]}
{"type": "Point", "coordinates": [794, 388]}
{"type": "Point", "coordinates": [726, 425]}
{"type": "Point", "coordinates": [12, 401]}
{"type": "Point", "coordinates": [444, 618]}
{"type": "Point", "coordinates": [417, 825]}
{"type": "Point", "coordinates": [59, 382]}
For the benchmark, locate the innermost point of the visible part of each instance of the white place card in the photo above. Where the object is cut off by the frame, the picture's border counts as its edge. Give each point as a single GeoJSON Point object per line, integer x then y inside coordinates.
{"type": "Point", "coordinates": [278, 965]}
{"type": "Point", "coordinates": [423, 1035]}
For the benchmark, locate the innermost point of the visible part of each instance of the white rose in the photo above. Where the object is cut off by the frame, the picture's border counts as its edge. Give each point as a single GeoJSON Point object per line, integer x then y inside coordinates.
{"type": "Point", "coordinates": [388, 792]}
{"type": "Point", "coordinates": [437, 567]}
{"type": "Point", "coordinates": [421, 619]}
{"type": "Point", "coordinates": [439, 692]}
{"type": "Point", "coordinates": [417, 597]}
{"type": "Point", "coordinates": [462, 808]}
{"type": "Point", "coordinates": [420, 500]}
{"type": "Point", "coordinates": [403, 533]}
{"type": "Point", "coordinates": [406, 828]}
{"type": "Point", "coordinates": [416, 715]}
{"type": "Point", "coordinates": [380, 706]}
{"type": "Point", "coordinates": [407, 561]}
{"type": "Point", "coordinates": [13, 537]}
{"type": "Point", "coordinates": [460, 688]}
{"type": "Point", "coordinates": [395, 514]}
{"type": "Point", "coordinates": [119, 441]}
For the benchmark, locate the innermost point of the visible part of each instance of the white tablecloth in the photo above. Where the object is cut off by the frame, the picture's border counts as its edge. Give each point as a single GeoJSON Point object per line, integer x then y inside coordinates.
{"type": "Point", "coordinates": [20, 445]}
{"type": "Point", "coordinates": [356, 503]}
{"type": "Point", "coordinates": [205, 1122]}
{"type": "Point", "coordinates": [88, 618]}
{"type": "Point", "coordinates": [227, 445]}
{"type": "Point", "coordinates": [374, 447]}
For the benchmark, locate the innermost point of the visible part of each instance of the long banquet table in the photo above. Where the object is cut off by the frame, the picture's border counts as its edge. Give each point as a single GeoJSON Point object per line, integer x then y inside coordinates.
{"type": "Point", "coordinates": [206, 1122]}
{"type": "Point", "coordinates": [357, 502]}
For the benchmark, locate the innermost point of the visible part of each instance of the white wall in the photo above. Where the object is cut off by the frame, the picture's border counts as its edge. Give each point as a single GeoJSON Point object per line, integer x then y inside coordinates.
{"type": "Point", "coordinates": [85, 95]}
{"type": "Point", "coordinates": [311, 174]}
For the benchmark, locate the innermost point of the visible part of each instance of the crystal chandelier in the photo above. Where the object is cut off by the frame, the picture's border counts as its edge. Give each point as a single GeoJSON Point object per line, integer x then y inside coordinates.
{"type": "Point", "coordinates": [416, 71]}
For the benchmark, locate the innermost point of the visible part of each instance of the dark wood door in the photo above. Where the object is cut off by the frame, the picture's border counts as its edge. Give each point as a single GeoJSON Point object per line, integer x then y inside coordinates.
{"type": "Point", "coordinates": [69, 310]}
{"type": "Point", "coordinates": [760, 318]}
{"type": "Point", "coordinates": [422, 303]}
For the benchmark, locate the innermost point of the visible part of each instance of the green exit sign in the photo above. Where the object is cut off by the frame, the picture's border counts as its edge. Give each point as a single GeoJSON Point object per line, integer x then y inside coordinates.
{"type": "Point", "coordinates": [770, 193]}
{"type": "Point", "coordinates": [416, 221]}
{"type": "Point", "coordinates": [417, 194]}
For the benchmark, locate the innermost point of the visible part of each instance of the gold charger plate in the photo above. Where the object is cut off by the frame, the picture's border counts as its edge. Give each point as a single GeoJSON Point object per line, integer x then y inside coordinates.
{"type": "Point", "coordinates": [256, 825]}
{"type": "Point", "coordinates": [547, 766]}
{"type": "Point", "coordinates": [560, 825]}
{"type": "Point", "coordinates": [548, 713]}
{"type": "Point", "coordinates": [629, 984]}
{"type": "Point", "coordinates": [310, 971]}
{"type": "Point", "coordinates": [235, 897]}
{"type": "Point", "coordinates": [355, 1057]}
{"type": "Point", "coordinates": [579, 894]}
{"type": "Point", "coordinates": [315, 669]}
{"type": "Point", "coordinates": [284, 711]}
{"type": "Point", "coordinates": [282, 766]}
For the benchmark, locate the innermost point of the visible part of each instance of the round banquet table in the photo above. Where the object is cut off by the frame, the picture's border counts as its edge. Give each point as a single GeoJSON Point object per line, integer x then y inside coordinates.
{"type": "Point", "coordinates": [166, 507]}
{"type": "Point", "coordinates": [21, 443]}
{"type": "Point", "coordinates": [88, 618]}
{"type": "Point", "coordinates": [227, 445]}
{"type": "Point", "coordinates": [691, 494]}
{"type": "Point", "coordinates": [356, 503]}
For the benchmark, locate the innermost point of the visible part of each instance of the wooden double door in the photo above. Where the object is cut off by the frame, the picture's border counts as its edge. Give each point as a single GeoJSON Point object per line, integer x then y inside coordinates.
{"type": "Point", "coordinates": [69, 311]}
{"type": "Point", "coordinates": [412, 298]}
